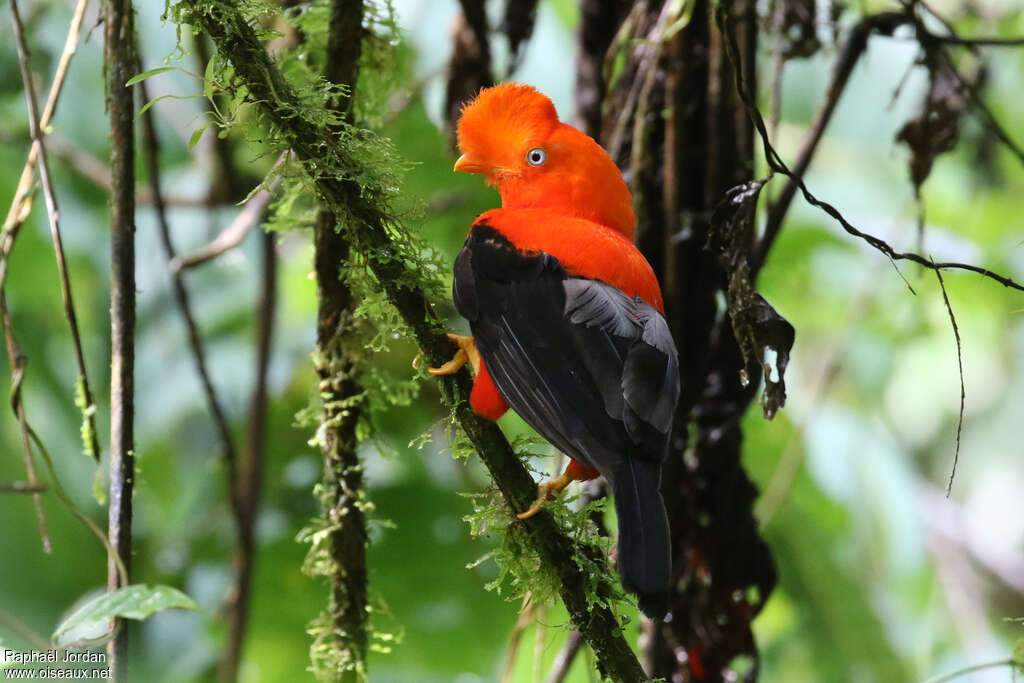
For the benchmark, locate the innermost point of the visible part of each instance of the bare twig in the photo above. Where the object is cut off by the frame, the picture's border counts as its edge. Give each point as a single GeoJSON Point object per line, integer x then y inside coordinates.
{"type": "Point", "coordinates": [855, 45]}
{"type": "Point", "coordinates": [243, 521]}
{"type": "Point", "coordinates": [565, 657]}
{"type": "Point", "coordinates": [960, 364]}
{"type": "Point", "coordinates": [987, 117]}
{"type": "Point", "coordinates": [251, 470]}
{"type": "Point", "coordinates": [151, 145]}
{"type": "Point", "coordinates": [119, 63]}
{"type": "Point", "coordinates": [17, 361]}
{"type": "Point", "coordinates": [232, 235]}
{"type": "Point", "coordinates": [955, 38]}
{"type": "Point", "coordinates": [97, 172]}
{"type": "Point", "coordinates": [92, 445]}
{"type": "Point", "coordinates": [22, 195]}
{"type": "Point", "coordinates": [526, 614]}
{"type": "Point", "coordinates": [934, 44]}
{"type": "Point", "coordinates": [22, 487]}
{"type": "Point", "coordinates": [29, 436]}
{"type": "Point", "coordinates": [776, 163]}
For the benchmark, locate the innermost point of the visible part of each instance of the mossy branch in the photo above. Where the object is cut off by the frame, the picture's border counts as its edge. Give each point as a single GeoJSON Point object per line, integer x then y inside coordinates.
{"type": "Point", "coordinates": [371, 231]}
{"type": "Point", "coordinates": [340, 649]}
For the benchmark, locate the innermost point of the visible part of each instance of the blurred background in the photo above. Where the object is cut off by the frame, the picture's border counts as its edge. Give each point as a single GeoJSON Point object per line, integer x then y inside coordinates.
{"type": "Point", "coordinates": [882, 577]}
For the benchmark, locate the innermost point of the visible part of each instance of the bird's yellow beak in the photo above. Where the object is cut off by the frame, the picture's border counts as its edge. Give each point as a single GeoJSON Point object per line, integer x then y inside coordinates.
{"type": "Point", "coordinates": [464, 165]}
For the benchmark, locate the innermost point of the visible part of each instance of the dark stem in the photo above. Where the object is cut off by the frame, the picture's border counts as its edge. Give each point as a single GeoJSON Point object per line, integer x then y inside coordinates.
{"type": "Point", "coordinates": [250, 216]}
{"type": "Point", "coordinates": [855, 46]}
{"type": "Point", "coordinates": [92, 444]}
{"type": "Point", "coordinates": [250, 482]}
{"type": "Point", "coordinates": [119, 64]}
{"type": "Point", "coordinates": [960, 367]}
{"type": "Point", "coordinates": [777, 165]}
{"type": "Point", "coordinates": [565, 658]}
{"type": "Point", "coordinates": [17, 362]}
{"type": "Point", "coordinates": [271, 92]}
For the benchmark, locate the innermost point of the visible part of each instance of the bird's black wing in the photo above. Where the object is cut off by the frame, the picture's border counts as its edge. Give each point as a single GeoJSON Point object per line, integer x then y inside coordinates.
{"type": "Point", "coordinates": [593, 370]}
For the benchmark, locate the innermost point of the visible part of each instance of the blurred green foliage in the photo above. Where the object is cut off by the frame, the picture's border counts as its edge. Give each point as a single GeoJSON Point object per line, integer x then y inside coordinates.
{"type": "Point", "coordinates": [881, 577]}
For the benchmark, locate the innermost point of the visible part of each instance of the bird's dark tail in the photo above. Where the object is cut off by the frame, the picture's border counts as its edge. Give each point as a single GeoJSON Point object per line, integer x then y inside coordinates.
{"type": "Point", "coordinates": [645, 554]}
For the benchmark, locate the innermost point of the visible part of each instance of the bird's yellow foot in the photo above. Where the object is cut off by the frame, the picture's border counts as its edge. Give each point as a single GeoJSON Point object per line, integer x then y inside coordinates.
{"type": "Point", "coordinates": [467, 352]}
{"type": "Point", "coordinates": [545, 492]}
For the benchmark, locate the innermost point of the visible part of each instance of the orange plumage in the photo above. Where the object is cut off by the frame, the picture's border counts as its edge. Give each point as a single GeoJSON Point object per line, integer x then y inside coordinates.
{"type": "Point", "coordinates": [567, 316]}
{"type": "Point", "coordinates": [575, 206]}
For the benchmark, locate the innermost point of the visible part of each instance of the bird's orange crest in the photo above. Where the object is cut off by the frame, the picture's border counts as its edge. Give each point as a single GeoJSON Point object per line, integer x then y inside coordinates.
{"type": "Point", "coordinates": [511, 134]}
{"type": "Point", "coordinates": [503, 120]}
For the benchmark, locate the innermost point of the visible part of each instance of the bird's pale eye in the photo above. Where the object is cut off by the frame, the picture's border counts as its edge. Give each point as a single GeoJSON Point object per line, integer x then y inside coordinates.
{"type": "Point", "coordinates": [536, 156]}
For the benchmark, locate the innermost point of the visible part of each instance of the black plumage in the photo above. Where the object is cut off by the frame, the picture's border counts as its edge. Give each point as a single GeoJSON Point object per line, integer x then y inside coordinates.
{"type": "Point", "coordinates": [590, 368]}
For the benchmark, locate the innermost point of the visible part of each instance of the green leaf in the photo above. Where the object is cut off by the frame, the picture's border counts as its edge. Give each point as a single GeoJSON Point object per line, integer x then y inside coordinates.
{"type": "Point", "coordinates": [139, 601]}
{"type": "Point", "coordinates": [209, 76]}
{"type": "Point", "coordinates": [149, 104]}
{"type": "Point", "coordinates": [146, 74]}
{"type": "Point", "coordinates": [196, 134]}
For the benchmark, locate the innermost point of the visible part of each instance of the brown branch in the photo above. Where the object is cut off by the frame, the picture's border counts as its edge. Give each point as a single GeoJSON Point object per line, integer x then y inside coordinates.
{"type": "Point", "coordinates": [119, 64]}
{"type": "Point", "coordinates": [526, 616]}
{"type": "Point", "coordinates": [777, 165]}
{"type": "Point", "coordinates": [987, 117]}
{"type": "Point", "coordinates": [269, 90]}
{"type": "Point", "coordinates": [89, 414]}
{"type": "Point", "coordinates": [250, 215]}
{"type": "Point", "coordinates": [955, 38]}
{"type": "Point", "coordinates": [565, 658]}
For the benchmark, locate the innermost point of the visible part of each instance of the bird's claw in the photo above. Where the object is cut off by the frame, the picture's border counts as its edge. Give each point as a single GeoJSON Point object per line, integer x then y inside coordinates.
{"type": "Point", "coordinates": [467, 353]}
{"type": "Point", "coordinates": [452, 366]}
{"type": "Point", "coordinates": [545, 492]}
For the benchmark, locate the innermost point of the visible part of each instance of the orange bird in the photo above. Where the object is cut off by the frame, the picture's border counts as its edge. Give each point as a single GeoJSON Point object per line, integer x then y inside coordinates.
{"type": "Point", "coordinates": [567, 317]}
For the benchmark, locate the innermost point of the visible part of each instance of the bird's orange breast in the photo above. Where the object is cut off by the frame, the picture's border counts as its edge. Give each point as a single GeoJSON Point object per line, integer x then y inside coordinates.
{"type": "Point", "coordinates": [584, 248]}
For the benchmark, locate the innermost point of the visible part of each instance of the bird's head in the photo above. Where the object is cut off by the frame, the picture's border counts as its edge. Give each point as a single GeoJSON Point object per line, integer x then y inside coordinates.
{"type": "Point", "coordinates": [511, 134]}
